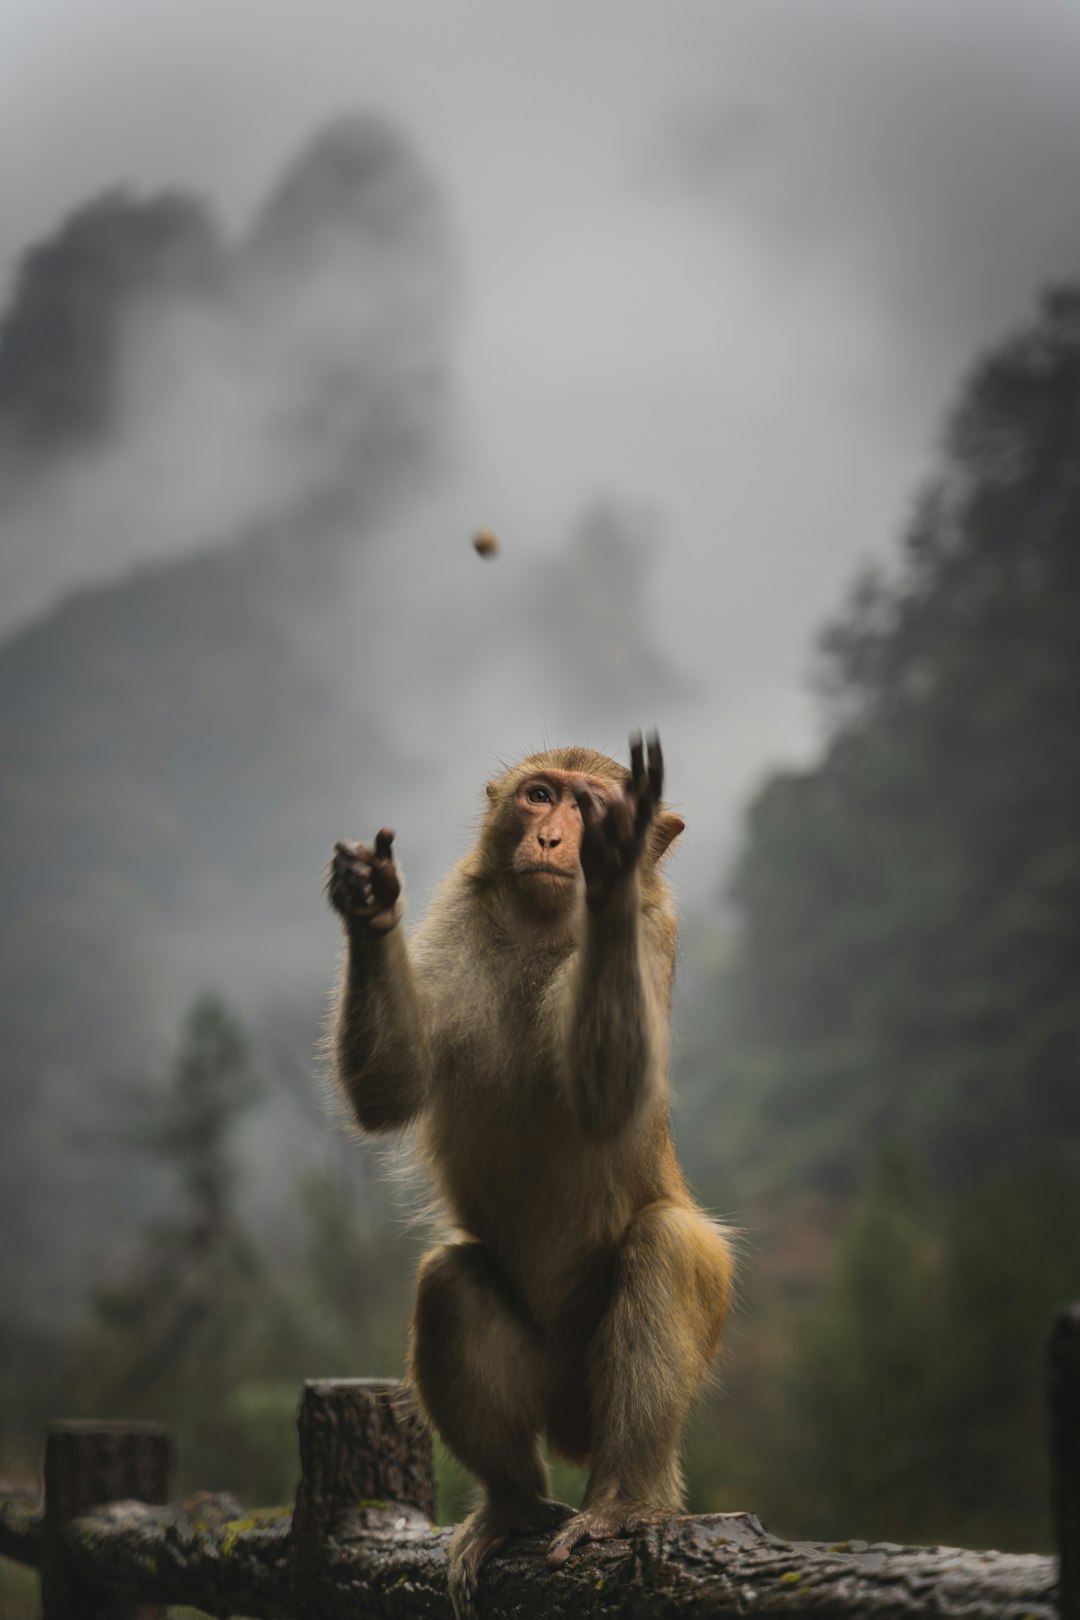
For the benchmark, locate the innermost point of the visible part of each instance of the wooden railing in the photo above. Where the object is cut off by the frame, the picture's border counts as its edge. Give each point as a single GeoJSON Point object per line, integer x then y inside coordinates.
{"type": "Point", "coordinates": [360, 1541]}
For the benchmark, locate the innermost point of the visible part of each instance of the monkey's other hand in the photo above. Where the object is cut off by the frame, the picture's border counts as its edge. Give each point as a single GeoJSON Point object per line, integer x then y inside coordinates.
{"type": "Point", "coordinates": [363, 885]}
{"type": "Point", "coordinates": [485, 1532]}
{"type": "Point", "coordinates": [613, 834]}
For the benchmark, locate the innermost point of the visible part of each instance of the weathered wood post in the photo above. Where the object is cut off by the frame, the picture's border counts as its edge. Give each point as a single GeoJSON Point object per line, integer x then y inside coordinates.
{"type": "Point", "coordinates": [1065, 1452]}
{"type": "Point", "coordinates": [362, 1452]}
{"type": "Point", "coordinates": [86, 1466]}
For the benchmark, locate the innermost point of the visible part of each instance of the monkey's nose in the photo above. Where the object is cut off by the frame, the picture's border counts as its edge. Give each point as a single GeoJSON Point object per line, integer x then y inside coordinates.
{"type": "Point", "coordinates": [548, 840]}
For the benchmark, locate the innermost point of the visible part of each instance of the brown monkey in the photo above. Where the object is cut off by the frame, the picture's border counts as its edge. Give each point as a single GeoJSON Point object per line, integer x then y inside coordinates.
{"type": "Point", "coordinates": [524, 1032]}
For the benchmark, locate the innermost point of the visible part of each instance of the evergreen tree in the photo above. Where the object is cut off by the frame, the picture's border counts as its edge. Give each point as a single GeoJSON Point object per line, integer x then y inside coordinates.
{"type": "Point", "coordinates": [900, 1023]}
{"type": "Point", "coordinates": [191, 1317]}
{"type": "Point", "coordinates": [910, 907]}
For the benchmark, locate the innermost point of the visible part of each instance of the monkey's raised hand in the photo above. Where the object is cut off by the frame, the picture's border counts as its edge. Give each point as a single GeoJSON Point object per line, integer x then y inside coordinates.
{"type": "Point", "coordinates": [614, 832]}
{"type": "Point", "coordinates": [363, 885]}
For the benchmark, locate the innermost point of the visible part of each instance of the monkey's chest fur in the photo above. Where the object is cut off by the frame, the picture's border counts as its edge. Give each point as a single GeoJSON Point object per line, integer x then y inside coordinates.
{"type": "Point", "coordinates": [510, 1162]}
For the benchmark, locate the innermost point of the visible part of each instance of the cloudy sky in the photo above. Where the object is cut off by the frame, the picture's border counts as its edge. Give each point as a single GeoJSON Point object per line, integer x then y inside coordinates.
{"type": "Point", "coordinates": [721, 261]}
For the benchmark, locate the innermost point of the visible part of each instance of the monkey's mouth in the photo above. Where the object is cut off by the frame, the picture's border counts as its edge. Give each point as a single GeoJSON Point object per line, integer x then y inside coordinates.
{"type": "Point", "coordinates": [545, 871]}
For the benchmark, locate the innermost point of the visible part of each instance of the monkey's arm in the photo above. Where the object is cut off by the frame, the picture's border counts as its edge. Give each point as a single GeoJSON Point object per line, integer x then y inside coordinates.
{"type": "Point", "coordinates": [616, 1023]}
{"type": "Point", "coordinates": [381, 1049]}
{"type": "Point", "coordinates": [381, 1052]}
{"type": "Point", "coordinates": [614, 1027]}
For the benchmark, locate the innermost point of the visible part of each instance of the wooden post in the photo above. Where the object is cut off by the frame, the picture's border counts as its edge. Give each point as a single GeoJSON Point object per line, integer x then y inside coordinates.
{"type": "Point", "coordinates": [1065, 1452]}
{"type": "Point", "coordinates": [362, 1450]}
{"type": "Point", "coordinates": [86, 1466]}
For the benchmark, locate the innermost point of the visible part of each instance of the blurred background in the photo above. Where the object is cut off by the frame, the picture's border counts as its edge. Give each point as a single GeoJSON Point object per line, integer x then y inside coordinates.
{"type": "Point", "coordinates": [753, 333]}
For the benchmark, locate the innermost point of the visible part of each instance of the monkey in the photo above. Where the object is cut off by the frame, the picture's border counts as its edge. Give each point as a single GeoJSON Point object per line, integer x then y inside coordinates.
{"type": "Point", "coordinates": [523, 1035]}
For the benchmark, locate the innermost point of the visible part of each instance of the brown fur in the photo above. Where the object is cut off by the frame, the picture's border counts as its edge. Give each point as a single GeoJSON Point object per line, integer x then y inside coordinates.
{"type": "Point", "coordinates": [526, 1039]}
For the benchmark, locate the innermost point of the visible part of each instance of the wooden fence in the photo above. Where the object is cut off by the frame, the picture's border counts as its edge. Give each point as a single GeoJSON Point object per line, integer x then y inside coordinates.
{"type": "Point", "coordinates": [359, 1541]}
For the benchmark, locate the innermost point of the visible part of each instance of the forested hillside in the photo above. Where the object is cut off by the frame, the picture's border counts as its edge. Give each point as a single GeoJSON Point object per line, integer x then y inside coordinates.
{"type": "Point", "coordinates": [898, 1096]}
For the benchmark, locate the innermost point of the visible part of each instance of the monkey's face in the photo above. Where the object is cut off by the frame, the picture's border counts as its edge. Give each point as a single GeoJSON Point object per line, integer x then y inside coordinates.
{"type": "Point", "coordinates": [546, 861]}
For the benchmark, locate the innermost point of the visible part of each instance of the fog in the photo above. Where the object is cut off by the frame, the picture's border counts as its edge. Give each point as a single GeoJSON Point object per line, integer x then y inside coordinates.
{"type": "Point", "coordinates": [721, 268]}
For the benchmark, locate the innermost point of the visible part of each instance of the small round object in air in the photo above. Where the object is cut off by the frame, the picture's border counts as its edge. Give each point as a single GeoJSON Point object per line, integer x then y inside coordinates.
{"type": "Point", "coordinates": [485, 544]}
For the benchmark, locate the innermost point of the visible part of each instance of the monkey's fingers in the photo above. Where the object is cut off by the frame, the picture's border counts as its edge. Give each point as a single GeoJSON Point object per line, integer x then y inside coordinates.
{"type": "Point", "coordinates": [474, 1543]}
{"type": "Point", "coordinates": [602, 864]}
{"type": "Point", "coordinates": [350, 891]}
{"type": "Point", "coordinates": [591, 813]}
{"type": "Point", "coordinates": [351, 855]}
{"type": "Point", "coordinates": [648, 781]}
{"type": "Point", "coordinates": [621, 821]}
{"type": "Point", "coordinates": [656, 766]}
{"type": "Point", "coordinates": [342, 863]}
{"type": "Point", "coordinates": [637, 761]}
{"type": "Point", "coordinates": [351, 863]}
{"type": "Point", "coordinates": [593, 821]}
{"type": "Point", "coordinates": [584, 1526]}
{"type": "Point", "coordinates": [385, 883]}
{"type": "Point", "coordinates": [607, 1522]}
{"type": "Point", "coordinates": [463, 1580]}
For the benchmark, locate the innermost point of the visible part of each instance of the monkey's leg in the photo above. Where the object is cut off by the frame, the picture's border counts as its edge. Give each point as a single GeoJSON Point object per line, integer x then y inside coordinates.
{"type": "Point", "coordinates": [479, 1368]}
{"type": "Point", "coordinates": [646, 1363]}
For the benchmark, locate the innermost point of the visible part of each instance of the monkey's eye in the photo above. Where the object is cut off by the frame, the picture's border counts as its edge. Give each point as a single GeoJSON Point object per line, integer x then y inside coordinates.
{"type": "Point", "coordinates": [539, 795]}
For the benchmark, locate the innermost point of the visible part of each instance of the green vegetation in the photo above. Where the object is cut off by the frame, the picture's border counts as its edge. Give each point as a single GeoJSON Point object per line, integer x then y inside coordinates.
{"type": "Point", "coordinates": [900, 1024]}
{"type": "Point", "coordinates": [196, 1324]}
{"type": "Point", "coordinates": [172, 1313]}
{"type": "Point", "coordinates": [20, 1593]}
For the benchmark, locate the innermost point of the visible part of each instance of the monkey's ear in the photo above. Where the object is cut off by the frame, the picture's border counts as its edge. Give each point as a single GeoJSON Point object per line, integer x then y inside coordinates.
{"type": "Point", "coordinates": [492, 790]}
{"type": "Point", "coordinates": [665, 829]}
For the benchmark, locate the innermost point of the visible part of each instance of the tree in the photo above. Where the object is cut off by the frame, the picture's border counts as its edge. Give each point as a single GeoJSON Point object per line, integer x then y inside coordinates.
{"type": "Point", "coordinates": [900, 1021]}
{"type": "Point", "coordinates": [910, 907]}
{"type": "Point", "coordinates": [191, 1315]}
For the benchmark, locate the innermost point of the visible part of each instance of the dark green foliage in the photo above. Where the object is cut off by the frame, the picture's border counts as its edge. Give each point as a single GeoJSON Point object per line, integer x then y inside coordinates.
{"type": "Point", "coordinates": [211, 1086]}
{"type": "Point", "coordinates": [910, 908]}
{"type": "Point", "coordinates": [179, 1302]}
{"type": "Point", "coordinates": [916, 1402]}
{"type": "Point", "coordinates": [200, 1322]}
{"type": "Point", "coordinates": [900, 1024]}
{"type": "Point", "coordinates": [189, 1326]}
{"type": "Point", "coordinates": [871, 1366]}
{"type": "Point", "coordinates": [354, 1283]}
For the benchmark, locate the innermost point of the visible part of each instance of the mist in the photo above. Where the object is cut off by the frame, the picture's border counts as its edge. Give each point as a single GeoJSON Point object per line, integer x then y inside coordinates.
{"type": "Point", "coordinates": [724, 272]}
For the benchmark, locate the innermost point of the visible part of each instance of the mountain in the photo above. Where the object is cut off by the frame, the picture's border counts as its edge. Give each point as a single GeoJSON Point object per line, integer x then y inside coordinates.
{"type": "Point", "coordinates": [175, 758]}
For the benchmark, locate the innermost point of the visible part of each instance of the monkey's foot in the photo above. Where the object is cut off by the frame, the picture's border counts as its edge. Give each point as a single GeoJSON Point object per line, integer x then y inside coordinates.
{"type": "Point", "coordinates": [607, 1520]}
{"type": "Point", "coordinates": [485, 1532]}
